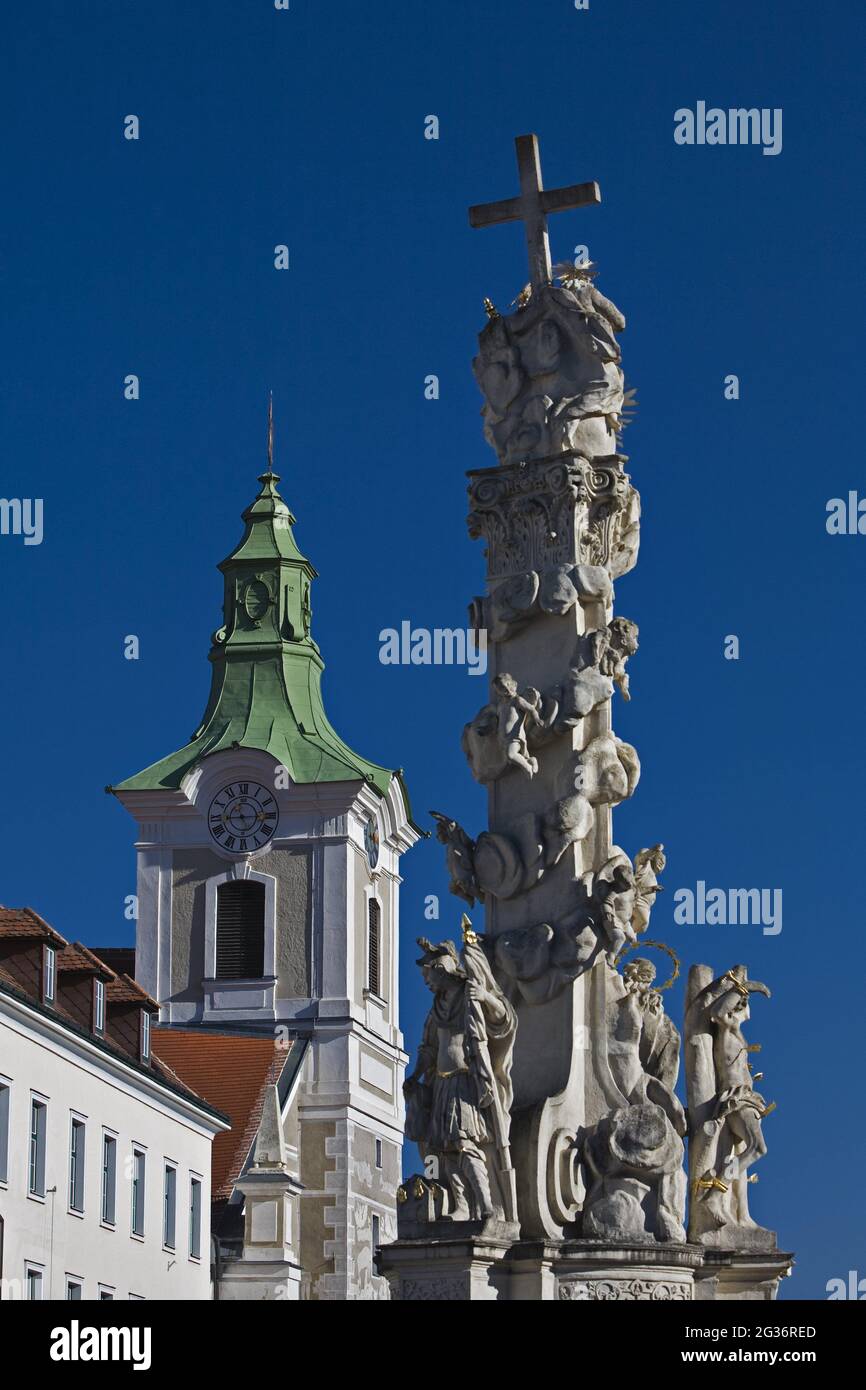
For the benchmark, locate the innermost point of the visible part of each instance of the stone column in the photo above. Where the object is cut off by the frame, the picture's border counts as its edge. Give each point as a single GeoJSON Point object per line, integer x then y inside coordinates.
{"type": "Point", "coordinates": [560, 524]}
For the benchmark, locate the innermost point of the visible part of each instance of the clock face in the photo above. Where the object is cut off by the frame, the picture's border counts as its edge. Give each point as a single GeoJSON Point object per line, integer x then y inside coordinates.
{"type": "Point", "coordinates": [371, 843]}
{"type": "Point", "coordinates": [243, 817]}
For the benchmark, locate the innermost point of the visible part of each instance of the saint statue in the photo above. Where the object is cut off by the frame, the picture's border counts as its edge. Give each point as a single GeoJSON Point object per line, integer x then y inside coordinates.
{"type": "Point", "coordinates": [458, 1099]}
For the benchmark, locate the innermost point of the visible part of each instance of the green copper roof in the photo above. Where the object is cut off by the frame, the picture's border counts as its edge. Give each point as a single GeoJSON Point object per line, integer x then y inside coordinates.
{"type": "Point", "coordinates": [266, 683]}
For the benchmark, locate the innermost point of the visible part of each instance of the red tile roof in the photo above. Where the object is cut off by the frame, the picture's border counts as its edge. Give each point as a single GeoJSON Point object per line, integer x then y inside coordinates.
{"type": "Point", "coordinates": [123, 990]}
{"type": "Point", "coordinates": [77, 957]}
{"type": "Point", "coordinates": [23, 921]}
{"type": "Point", "coordinates": [230, 1071]}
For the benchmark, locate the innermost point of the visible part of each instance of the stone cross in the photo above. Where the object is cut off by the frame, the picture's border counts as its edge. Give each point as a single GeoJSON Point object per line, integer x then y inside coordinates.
{"type": "Point", "coordinates": [532, 207]}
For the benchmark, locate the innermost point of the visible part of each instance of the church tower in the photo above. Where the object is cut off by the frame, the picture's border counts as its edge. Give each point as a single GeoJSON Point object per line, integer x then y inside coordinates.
{"type": "Point", "coordinates": [268, 897]}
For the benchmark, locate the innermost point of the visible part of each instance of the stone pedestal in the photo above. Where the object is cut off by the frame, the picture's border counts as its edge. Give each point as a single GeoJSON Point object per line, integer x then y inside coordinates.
{"type": "Point", "coordinates": [263, 1281]}
{"type": "Point", "coordinates": [590, 1271]}
{"type": "Point", "coordinates": [476, 1269]}
{"type": "Point", "coordinates": [742, 1274]}
{"type": "Point", "coordinates": [467, 1270]}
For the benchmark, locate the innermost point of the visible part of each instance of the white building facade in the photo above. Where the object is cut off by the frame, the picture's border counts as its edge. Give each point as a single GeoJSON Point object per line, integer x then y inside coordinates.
{"type": "Point", "coordinates": [104, 1164]}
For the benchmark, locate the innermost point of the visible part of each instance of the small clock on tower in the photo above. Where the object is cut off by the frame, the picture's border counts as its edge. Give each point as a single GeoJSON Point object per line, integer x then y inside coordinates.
{"type": "Point", "coordinates": [243, 817]}
{"type": "Point", "coordinates": [371, 843]}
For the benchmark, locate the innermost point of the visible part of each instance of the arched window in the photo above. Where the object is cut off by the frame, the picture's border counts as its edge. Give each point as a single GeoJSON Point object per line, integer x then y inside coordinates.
{"type": "Point", "coordinates": [240, 930]}
{"type": "Point", "coordinates": [374, 918]}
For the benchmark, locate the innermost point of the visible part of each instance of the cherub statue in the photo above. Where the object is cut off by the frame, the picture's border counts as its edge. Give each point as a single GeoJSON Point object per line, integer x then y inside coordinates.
{"type": "Point", "coordinates": [458, 1099]}
{"type": "Point", "coordinates": [612, 906]}
{"type": "Point", "coordinates": [514, 712]}
{"type": "Point", "coordinates": [498, 737]}
{"type": "Point", "coordinates": [647, 863]}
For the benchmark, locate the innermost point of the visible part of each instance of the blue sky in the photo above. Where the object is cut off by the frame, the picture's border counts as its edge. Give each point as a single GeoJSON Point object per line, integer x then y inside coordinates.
{"type": "Point", "coordinates": [305, 127]}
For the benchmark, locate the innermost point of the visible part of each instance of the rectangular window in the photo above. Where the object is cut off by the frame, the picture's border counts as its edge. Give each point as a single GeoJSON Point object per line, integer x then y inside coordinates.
{"type": "Point", "coordinates": [195, 1218]}
{"type": "Point", "coordinates": [33, 1283]}
{"type": "Point", "coordinates": [374, 917]}
{"type": "Point", "coordinates": [74, 1288]}
{"type": "Point", "coordinates": [376, 1232]}
{"type": "Point", "coordinates": [378, 1153]}
{"type": "Point", "coordinates": [106, 1295]}
{"type": "Point", "coordinates": [169, 1206]}
{"type": "Point", "coordinates": [138, 1174]}
{"type": "Point", "coordinates": [38, 1118]}
{"type": "Point", "coordinates": [49, 974]}
{"type": "Point", "coordinates": [99, 1006]}
{"type": "Point", "coordinates": [240, 930]}
{"type": "Point", "coordinates": [5, 1097]}
{"type": "Point", "coordinates": [109, 1177]}
{"type": "Point", "coordinates": [76, 1165]}
{"type": "Point", "coordinates": [145, 1036]}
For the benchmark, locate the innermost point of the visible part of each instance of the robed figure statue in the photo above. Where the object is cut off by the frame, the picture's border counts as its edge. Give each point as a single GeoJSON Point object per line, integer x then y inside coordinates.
{"type": "Point", "coordinates": [458, 1099]}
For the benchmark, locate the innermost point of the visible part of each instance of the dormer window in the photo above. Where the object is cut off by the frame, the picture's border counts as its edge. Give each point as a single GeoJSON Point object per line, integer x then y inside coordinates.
{"type": "Point", "coordinates": [145, 1036]}
{"type": "Point", "coordinates": [49, 974]}
{"type": "Point", "coordinates": [99, 1006]}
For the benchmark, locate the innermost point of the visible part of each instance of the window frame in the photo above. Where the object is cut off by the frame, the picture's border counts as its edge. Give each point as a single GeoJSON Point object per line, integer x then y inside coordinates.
{"type": "Point", "coordinates": [210, 943]}
{"type": "Point", "coordinates": [77, 1126]}
{"type": "Point", "coordinates": [110, 1223]}
{"type": "Point", "coordinates": [5, 1125]}
{"type": "Point", "coordinates": [49, 973]}
{"type": "Point", "coordinates": [144, 1036]}
{"type": "Point", "coordinates": [196, 1184]}
{"type": "Point", "coordinates": [34, 1270]}
{"type": "Point", "coordinates": [374, 988]}
{"type": "Point", "coordinates": [99, 1006]}
{"type": "Point", "coordinates": [169, 1166]}
{"type": "Point", "coordinates": [77, 1282]}
{"type": "Point", "coordinates": [138, 1187]}
{"type": "Point", "coordinates": [40, 1102]}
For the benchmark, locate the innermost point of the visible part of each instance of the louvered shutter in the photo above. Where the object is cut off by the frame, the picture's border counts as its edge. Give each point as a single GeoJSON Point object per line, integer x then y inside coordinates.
{"type": "Point", "coordinates": [373, 933]}
{"type": "Point", "coordinates": [240, 931]}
